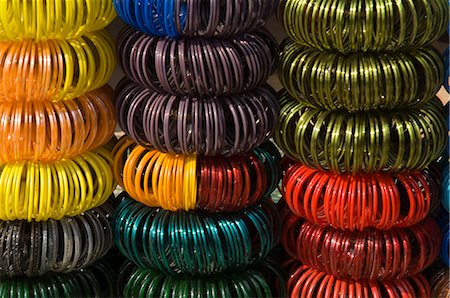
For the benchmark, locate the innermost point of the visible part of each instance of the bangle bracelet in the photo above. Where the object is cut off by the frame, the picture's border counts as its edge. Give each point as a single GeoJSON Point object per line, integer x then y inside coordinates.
{"type": "Point", "coordinates": [46, 131]}
{"type": "Point", "coordinates": [364, 25]}
{"type": "Point", "coordinates": [361, 142]}
{"type": "Point", "coordinates": [306, 280]}
{"type": "Point", "coordinates": [368, 254]}
{"type": "Point", "coordinates": [41, 191]}
{"type": "Point", "coordinates": [194, 18]}
{"type": "Point", "coordinates": [445, 244]}
{"type": "Point", "coordinates": [192, 242]}
{"type": "Point", "coordinates": [215, 66]}
{"type": "Point", "coordinates": [360, 81]}
{"type": "Point", "coordinates": [34, 248]}
{"type": "Point", "coordinates": [55, 69]}
{"type": "Point", "coordinates": [228, 125]}
{"type": "Point", "coordinates": [348, 202]}
{"type": "Point", "coordinates": [439, 282]}
{"type": "Point", "coordinates": [446, 189]}
{"type": "Point", "coordinates": [185, 182]}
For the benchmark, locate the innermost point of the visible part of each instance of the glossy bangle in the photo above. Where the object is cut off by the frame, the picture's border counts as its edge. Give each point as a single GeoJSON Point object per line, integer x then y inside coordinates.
{"type": "Point", "coordinates": [356, 202]}
{"type": "Point", "coordinates": [446, 188]}
{"type": "Point", "coordinates": [361, 142]}
{"type": "Point", "coordinates": [72, 243]}
{"type": "Point", "coordinates": [360, 81]}
{"type": "Point", "coordinates": [226, 125]}
{"type": "Point", "coordinates": [369, 254]}
{"type": "Point", "coordinates": [41, 191]}
{"type": "Point", "coordinates": [364, 25]}
{"type": "Point", "coordinates": [46, 131]}
{"type": "Point", "coordinates": [194, 18]}
{"type": "Point", "coordinates": [55, 69]}
{"type": "Point", "coordinates": [306, 280]}
{"type": "Point", "coordinates": [445, 257]}
{"type": "Point", "coordinates": [439, 282]}
{"type": "Point", "coordinates": [192, 242]}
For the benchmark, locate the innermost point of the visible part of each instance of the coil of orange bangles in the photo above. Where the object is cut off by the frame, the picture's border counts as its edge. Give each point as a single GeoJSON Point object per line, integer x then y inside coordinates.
{"type": "Point", "coordinates": [368, 254]}
{"type": "Point", "coordinates": [55, 69]}
{"type": "Point", "coordinates": [41, 191]}
{"type": "Point", "coordinates": [46, 131]}
{"type": "Point", "coordinates": [344, 201]}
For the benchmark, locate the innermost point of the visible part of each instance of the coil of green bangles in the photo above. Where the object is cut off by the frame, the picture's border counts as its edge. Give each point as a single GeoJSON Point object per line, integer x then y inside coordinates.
{"type": "Point", "coordinates": [360, 81]}
{"type": "Point", "coordinates": [193, 242]}
{"type": "Point", "coordinates": [361, 25]}
{"type": "Point", "coordinates": [361, 142]}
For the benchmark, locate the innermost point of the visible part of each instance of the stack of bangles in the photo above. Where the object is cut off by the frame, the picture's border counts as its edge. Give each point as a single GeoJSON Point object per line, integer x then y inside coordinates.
{"type": "Point", "coordinates": [185, 182]}
{"type": "Point", "coordinates": [176, 18]}
{"type": "Point", "coordinates": [360, 81]}
{"type": "Point", "coordinates": [446, 189]}
{"type": "Point", "coordinates": [369, 254]}
{"type": "Point", "coordinates": [439, 282]}
{"type": "Point", "coordinates": [35, 248]}
{"type": "Point", "coordinates": [340, 142]}
{"type": "Point", "coordinates": [226, 125]}
{"type": "Point", "coordinates": [364, 25]}
{"type": "Point", "coordinates": [214, 66]}
{"type": "Point", "coordinates": [445, 257]}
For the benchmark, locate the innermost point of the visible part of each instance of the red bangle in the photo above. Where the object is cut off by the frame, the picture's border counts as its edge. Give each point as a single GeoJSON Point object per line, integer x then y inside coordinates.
{"type": "Point", "coordinates": [355, 202]}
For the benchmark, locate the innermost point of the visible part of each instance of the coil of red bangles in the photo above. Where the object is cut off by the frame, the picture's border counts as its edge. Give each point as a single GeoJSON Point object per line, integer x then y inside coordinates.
{"type": "Point", "coordinates": [213, 66]}
{"type": "Point", "coordinates": [306, 282]}
{"type": "Point", "coordinates": [185, 182]}
{"type": "Point", "coordinates": [55, 69]}
{"type": "Point", "coordinates": [356, 202]}
{"type": "Point", "coordinates": [40, 191]}
{"type": "Point", "coordinates": [361, 142]}
{"type": "Point", "coordinates": [364, 25]}
{"type": "Point", "coordinates": [48, 131]}
{"type": "Point", "coordinates": [368, 254]}
{"type": "Point", "coordinates": [226, 125]}
{"type": "Point", "coordinates": [360, 81]}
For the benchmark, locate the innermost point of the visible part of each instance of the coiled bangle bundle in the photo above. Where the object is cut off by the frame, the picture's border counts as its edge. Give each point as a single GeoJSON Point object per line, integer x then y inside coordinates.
{"type": "Point", "coordinates": [51, 19]}
{"type": "Point", "coordinates": [228, 125]}
{"type": "Point", "coordinates": [439, 282]}
{"type": "Point", "coordinates": [192, 242]}
{"type": "Point", "coordinates": [360, 81]}
{"type": "Point", "coordinates": [345, 201]}
{"type": "Point", "coordinates": [445, 257]}
{"type": "Point", "coordinates": [185, 182]}
{"type": "Point", "coordinates": [364, 25]}
{"type": "Point", "coordinates": [361, 142]}
{"type": "Point", "coordinates": [306, 280]}
{"type": "Point", "coordinates": [55, 69]}
{"type": "Point", "coordinates": [46, 131]}
{"type": "Point", "coordinates": [198, 66]}
{"type": "Point", "coordinates": [195, 18]}
{"type": "Point", "coordinates": [446, 189]}
{"type": "Point", "coordinates": [64, 245]}
{"type": "Point", "coordinates": [41, 191]}
{"type": "Point", "coordinates": [368, 254]}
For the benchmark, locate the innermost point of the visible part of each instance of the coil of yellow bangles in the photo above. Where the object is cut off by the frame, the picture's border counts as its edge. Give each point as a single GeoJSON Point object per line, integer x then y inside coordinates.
{"type": "Point", "coordinates": [46, 131]}
{"type": "Point", "coordinates": [53, 19]}
{"type": "Point", "coordinates": [37, 191]}
{"type": "Point", "coordinates": [55, 69]}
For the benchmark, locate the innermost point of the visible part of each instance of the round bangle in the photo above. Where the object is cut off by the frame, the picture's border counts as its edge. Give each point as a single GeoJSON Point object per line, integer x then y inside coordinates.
{"type": "Point", "coordinates": [306, 280]}
{"type": "Point", "coordinates": [439, 282]}
{"type": "Point", "coordinates": [193, 18]}
{"type": "Point", "coordinates": [228, 125]}
{"type": "Point", "coordinates": [356, 202]}
{"type": "Point", "coordinates": [361, 142]}
{"type": "Point", "coordinates": [192, 242]}
{"type": "Point", "coordinates": [215, 66]}
{"type": "Point", "coordinates": [41, 191]}
{"type": "Point", "coordinates": [360, 81]}
{"type": "Point", "coordinates": [445, 244]}
{"type": "Point", "coordinates": [185, 182]}
{"type": "Point", "coordinates": [368, 254]}
{"type": "Point", "coordinates": [364, 25]}
{"type": "Point", "coordinates": [46, 131]}
{"type": "Point", "coordinates": [55, 69]}
{"type": "Point", "coordinates": [65, 245]}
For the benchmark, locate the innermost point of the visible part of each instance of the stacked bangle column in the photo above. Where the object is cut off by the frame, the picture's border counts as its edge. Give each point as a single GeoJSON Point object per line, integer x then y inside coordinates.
{"type": "Point", "coordinates": [56, 114]}
{"type": "Point", "coordinates": [196, 163]}
{"type": "Point", "coordinates": [360, 118]}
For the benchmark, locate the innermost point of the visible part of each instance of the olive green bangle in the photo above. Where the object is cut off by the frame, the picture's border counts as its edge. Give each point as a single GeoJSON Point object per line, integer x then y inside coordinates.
{"type": "Point", "coordinates": [367, 141]}
{"type": "Point", "coordinates": [361, 25]}
{"type": "Point", "coordinates": [360, 81]}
